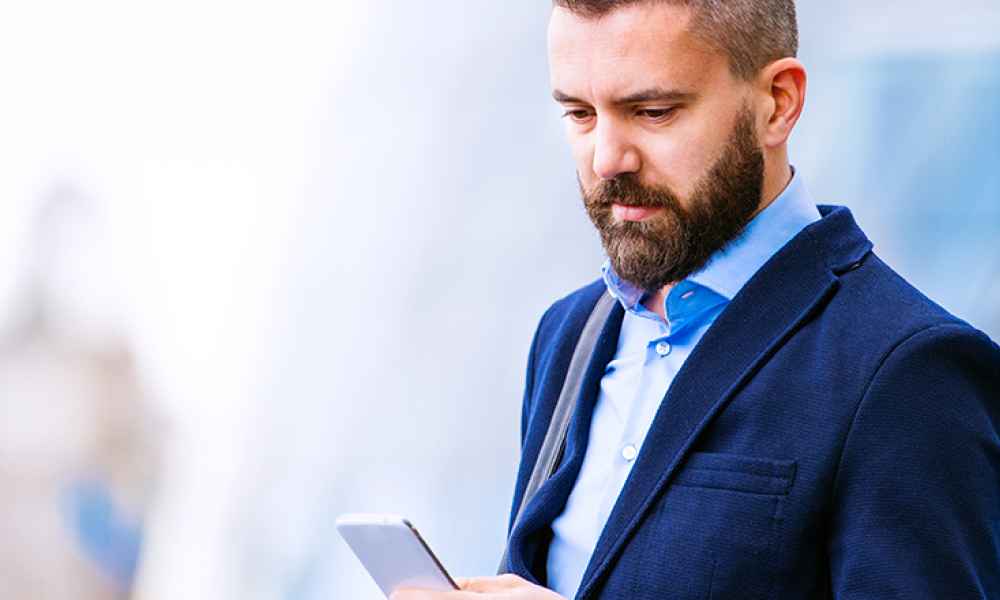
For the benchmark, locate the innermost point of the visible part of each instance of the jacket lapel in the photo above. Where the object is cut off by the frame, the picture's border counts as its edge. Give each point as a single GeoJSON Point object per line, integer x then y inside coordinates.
{"type": "Point", "coordinates": [794, 284]}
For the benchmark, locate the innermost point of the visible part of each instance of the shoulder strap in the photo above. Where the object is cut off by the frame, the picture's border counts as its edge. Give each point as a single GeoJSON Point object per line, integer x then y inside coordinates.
{"type": "Point", "coordinates": [555, 437]}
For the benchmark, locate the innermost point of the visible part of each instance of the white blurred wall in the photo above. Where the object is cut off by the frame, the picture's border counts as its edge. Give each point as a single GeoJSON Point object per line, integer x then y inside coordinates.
{"type": "Point", "coordinates": [336, 224]}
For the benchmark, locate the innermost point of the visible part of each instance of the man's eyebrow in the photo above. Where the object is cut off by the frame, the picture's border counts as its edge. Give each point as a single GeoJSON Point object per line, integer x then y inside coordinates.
{"type": "Point", "coordinates": [654, 94]}
{"type": "Point", "coordinates": [657, 95]}
{"type": "Point", "coordinates": [564, 98]}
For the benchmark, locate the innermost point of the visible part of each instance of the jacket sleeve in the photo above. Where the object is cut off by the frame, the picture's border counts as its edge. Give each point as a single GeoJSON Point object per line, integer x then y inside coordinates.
{"type": "Point", "coordinates": [916, 500]}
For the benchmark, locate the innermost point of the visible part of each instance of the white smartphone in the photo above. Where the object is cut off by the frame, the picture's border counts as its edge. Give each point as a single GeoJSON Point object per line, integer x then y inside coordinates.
{"type": "Point", "coordinates": [393, 552]}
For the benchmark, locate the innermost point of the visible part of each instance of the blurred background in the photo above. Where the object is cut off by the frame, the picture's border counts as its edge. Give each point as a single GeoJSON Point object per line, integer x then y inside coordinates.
{"type": "Point", "coordinates": [263, 264]}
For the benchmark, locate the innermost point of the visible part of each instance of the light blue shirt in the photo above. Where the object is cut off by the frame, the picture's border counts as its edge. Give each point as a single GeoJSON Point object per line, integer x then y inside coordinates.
{"type": "Point", "coordinates": [650, 352]}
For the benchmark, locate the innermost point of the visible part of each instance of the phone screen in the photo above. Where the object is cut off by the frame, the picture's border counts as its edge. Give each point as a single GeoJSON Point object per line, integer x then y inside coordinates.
{"type": "Point", "coordinates": [393, 553]}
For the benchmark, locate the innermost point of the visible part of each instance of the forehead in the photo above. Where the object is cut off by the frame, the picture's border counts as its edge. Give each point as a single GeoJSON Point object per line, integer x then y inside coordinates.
{"type": "Point", "coordinates": [636, 47]}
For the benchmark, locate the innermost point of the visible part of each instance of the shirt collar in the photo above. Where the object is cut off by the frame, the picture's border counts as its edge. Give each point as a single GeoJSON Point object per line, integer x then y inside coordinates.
{"type": "Point", "coordinates": [730, 268]}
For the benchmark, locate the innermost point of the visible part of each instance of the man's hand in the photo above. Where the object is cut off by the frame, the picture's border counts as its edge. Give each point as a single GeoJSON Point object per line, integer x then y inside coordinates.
{"type": "Point", "coordinates": [504, 587]}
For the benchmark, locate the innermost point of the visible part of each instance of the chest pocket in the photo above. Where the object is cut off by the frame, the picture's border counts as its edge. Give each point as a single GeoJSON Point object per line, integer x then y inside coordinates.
{"type": "Point", "coordinates": [715, 533]}
{"type": "Point", "coordinates": [737, 473]}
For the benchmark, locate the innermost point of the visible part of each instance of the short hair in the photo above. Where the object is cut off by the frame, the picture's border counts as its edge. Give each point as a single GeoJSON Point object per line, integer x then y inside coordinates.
{"type": "Point", "coordinates": [751, 33]}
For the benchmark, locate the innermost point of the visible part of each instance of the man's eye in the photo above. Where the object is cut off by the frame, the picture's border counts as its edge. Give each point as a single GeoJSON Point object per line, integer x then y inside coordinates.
{"type": "Point", "coordinates": [578, 115]}
{"type": "Point", "coordinates": [656, 114]}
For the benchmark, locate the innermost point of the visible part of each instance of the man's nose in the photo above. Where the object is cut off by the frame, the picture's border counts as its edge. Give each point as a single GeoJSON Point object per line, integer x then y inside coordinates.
{"type": "Point", "coordinates": [613, 153]}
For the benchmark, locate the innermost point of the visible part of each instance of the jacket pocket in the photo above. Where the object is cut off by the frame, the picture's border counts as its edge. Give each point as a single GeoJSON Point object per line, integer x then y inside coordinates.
{"type": "Point", "coordinates": [737, 473]}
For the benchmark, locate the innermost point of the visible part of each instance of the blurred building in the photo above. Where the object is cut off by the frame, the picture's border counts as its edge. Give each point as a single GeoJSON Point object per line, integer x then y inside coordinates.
{"type": "Point", "coordinates": [77, 438]}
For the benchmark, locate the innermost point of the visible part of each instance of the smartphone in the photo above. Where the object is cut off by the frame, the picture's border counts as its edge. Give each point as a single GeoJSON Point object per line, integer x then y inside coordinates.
{"type": "Point", "coordinates": [393, 552]}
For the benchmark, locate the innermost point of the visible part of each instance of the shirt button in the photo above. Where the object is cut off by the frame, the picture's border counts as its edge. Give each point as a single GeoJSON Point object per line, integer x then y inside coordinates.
{"type": "Point", "coordinates": [663, 348]}
{"type": "Point", "coordinates": [629, 453]}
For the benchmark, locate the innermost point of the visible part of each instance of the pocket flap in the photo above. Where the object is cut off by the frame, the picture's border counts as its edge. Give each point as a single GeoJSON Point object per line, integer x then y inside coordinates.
{"type": "Point", "coordinates": [737, 472]}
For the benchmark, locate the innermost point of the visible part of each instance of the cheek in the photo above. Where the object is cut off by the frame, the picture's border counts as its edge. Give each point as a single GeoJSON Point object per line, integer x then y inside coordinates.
{"type": "Point", "coordinates": [681, 157]}
{"type": "Point", "coordinates": [583, 157]}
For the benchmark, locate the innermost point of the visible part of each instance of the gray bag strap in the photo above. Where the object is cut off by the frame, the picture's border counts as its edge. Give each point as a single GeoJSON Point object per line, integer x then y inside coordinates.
{"type": "Point", "coordinates": [555, 437]}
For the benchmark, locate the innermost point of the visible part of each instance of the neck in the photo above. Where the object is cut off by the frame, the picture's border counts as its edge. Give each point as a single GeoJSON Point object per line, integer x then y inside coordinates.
{"type": "Point", "coordinates": [777, 176]}
{"type": "Point", "coordinates": [654, 301]}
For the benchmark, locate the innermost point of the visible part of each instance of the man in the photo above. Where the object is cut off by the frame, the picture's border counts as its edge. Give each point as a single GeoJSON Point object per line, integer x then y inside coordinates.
{"type": "Point", "coordinates": [769, 411]}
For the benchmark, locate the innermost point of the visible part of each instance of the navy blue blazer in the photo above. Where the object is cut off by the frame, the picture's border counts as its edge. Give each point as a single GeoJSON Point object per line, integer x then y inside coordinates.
{"type": "Point", "coordinates": [833, 435]}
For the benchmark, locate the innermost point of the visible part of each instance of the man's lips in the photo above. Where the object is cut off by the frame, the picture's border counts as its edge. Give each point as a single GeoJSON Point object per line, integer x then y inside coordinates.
{"type": "Point", "coordinates": [623, 212]}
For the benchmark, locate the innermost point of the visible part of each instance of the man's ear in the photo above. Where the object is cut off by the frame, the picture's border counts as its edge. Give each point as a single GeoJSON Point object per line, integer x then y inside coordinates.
{"type": "Point", "coordinates": [782, 84]}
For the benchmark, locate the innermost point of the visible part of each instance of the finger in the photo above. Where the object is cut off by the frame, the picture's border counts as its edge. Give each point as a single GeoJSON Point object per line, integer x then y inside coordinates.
{"type": "Point", "coordinates": [416, 594]}
{"type": "Point", "coordinates": [408, 594]}
{"type": "Point", "coordinates": [491, 584]}
{"type": "Point", "coordinates": [422, 594]}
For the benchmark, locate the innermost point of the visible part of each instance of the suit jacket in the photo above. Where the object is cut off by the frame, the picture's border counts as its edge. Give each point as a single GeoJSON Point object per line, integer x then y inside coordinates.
{"type": "Point", "coordinates": [833, 435]}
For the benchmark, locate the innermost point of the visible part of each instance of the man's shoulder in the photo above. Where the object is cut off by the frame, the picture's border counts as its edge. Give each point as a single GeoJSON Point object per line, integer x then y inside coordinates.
{"type": "Point", "coordinates": [566, 316]}
{"type": "Point", "coordinates": [876, 299]}
{"type": "Point", "coordinates": [872, 306]}
{"type": "Point", "coordinates": [580, 300]}
{"type": "Point", "coordinates": [876, 317]}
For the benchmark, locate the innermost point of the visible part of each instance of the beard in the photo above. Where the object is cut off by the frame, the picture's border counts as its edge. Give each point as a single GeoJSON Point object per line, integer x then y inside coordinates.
{"type": "Point", "coordinates": [679, 240]}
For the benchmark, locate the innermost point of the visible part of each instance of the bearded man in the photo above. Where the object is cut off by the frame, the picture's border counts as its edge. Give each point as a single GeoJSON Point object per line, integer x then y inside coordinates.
{"type": "Point", "coordinates": [768, 410]}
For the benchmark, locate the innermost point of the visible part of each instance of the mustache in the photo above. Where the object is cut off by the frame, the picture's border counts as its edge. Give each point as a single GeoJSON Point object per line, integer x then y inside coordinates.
{"type": "Point", "coordinates": [626, 189]}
